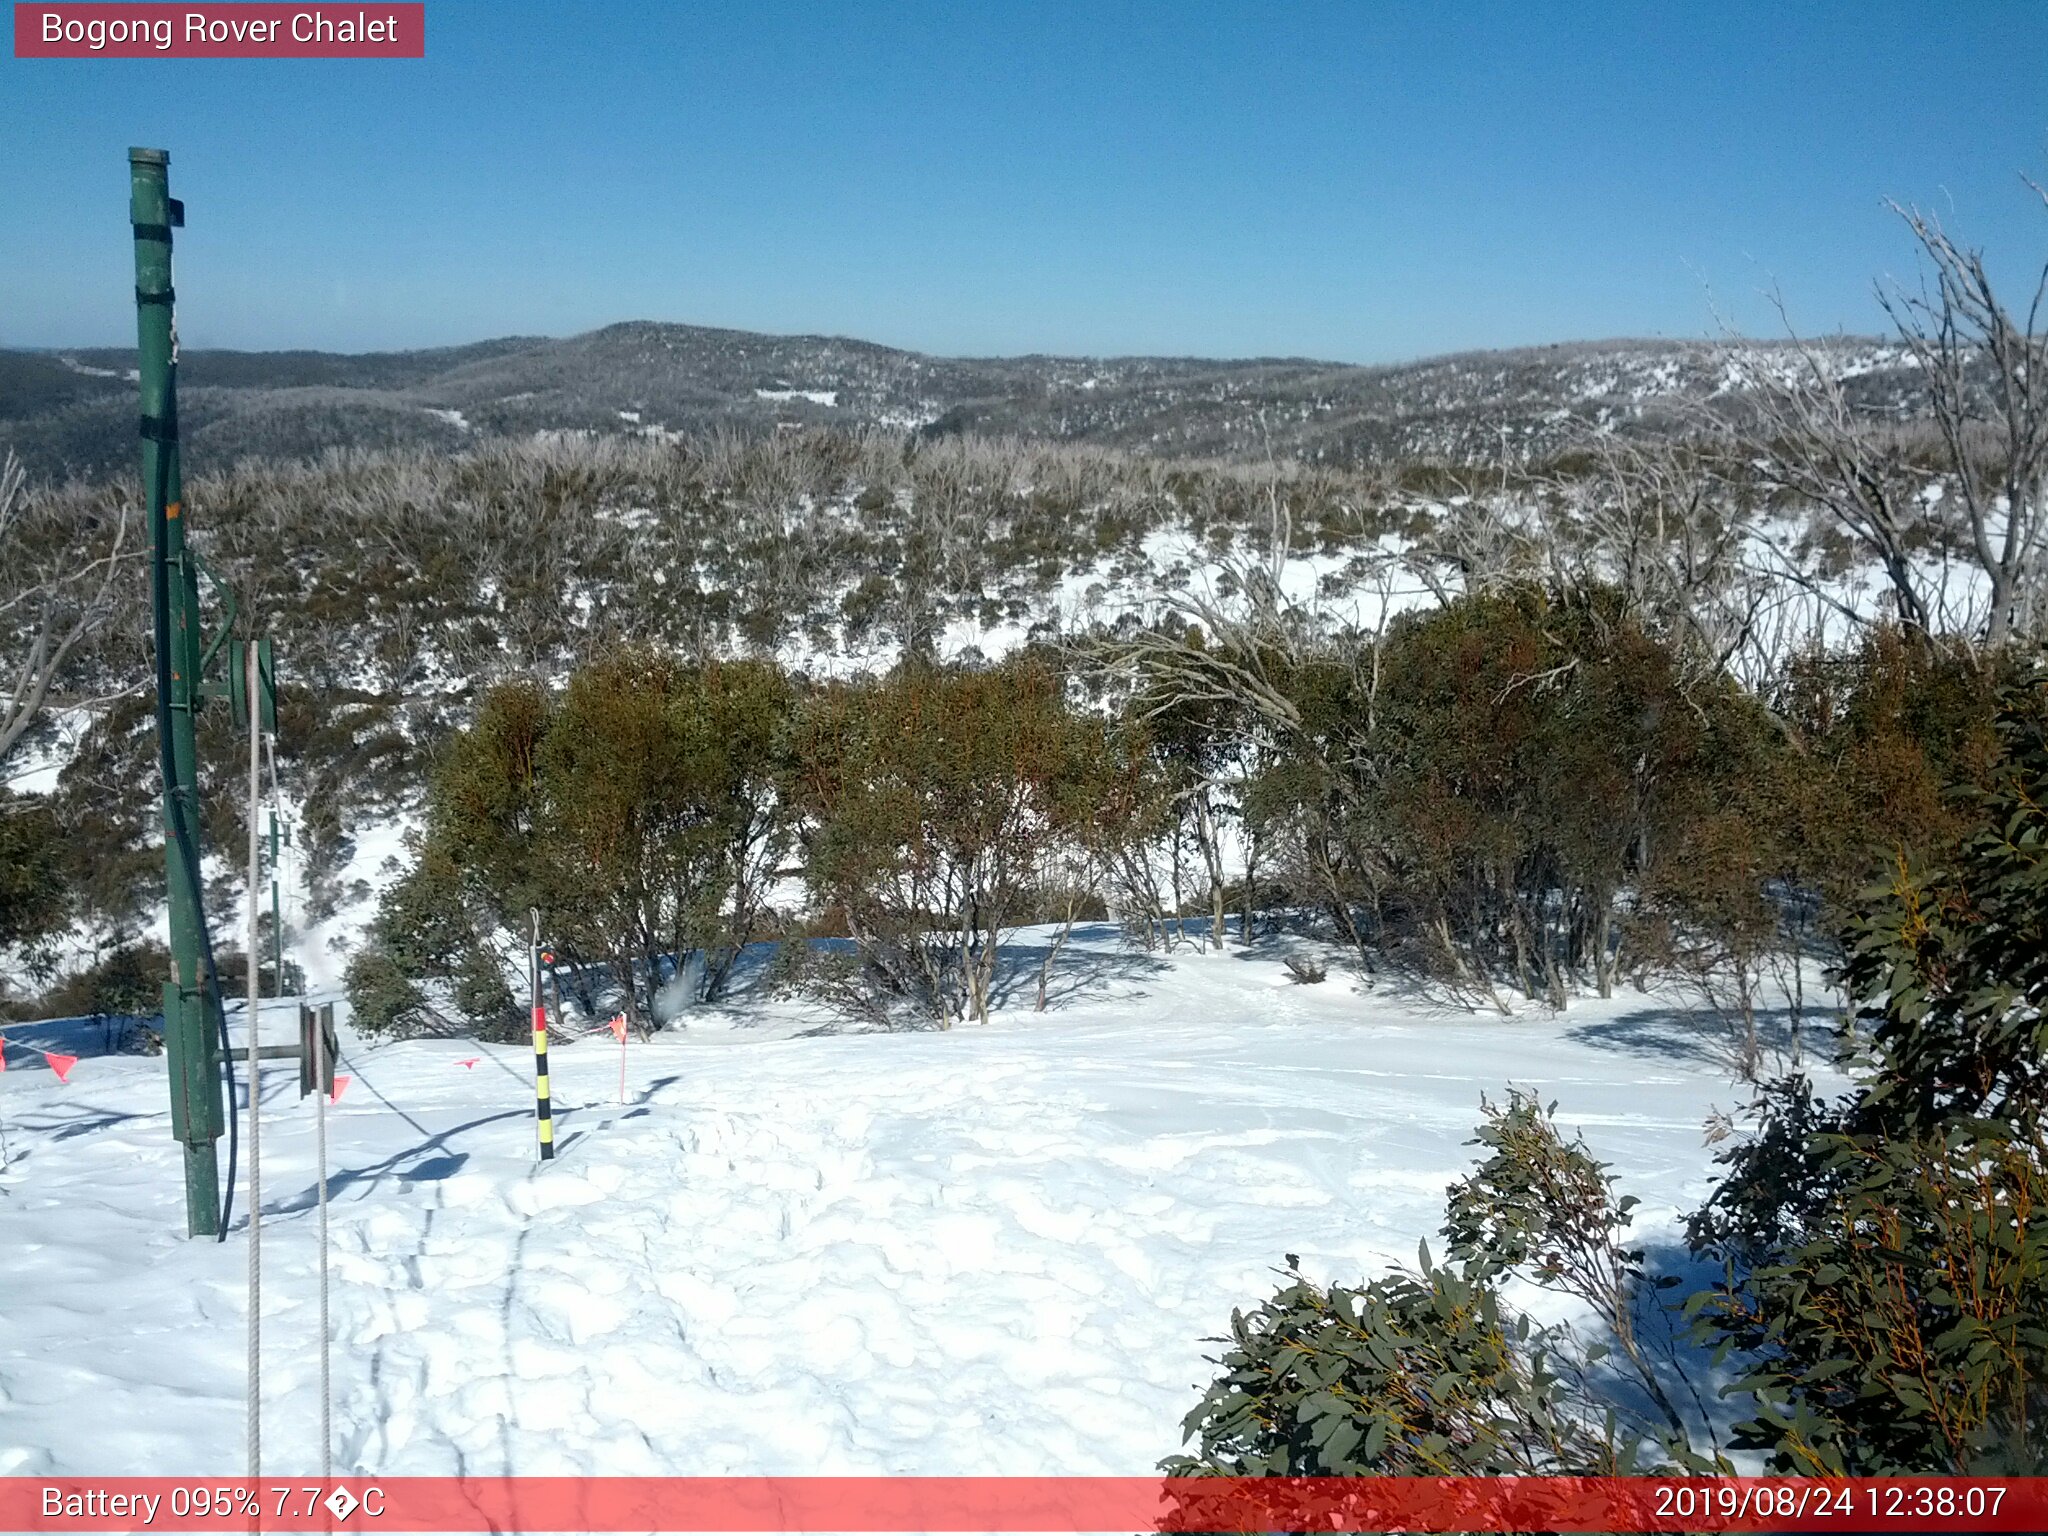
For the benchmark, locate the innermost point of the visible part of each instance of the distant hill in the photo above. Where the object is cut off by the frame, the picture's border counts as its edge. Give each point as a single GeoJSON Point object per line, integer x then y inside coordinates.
{"type": "Point", "coordinates": [72, 412]}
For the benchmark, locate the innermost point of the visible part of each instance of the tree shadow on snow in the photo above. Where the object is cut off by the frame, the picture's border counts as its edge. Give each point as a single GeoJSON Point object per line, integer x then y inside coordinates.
{"type": "Point", "coordinates": [1698, 1035]}
{"type": "Point", "coordinates": [58, 1126]}
{"type": "Point", "coordinates": [1092, 962]}
{"type": "Point", "coordinates": [63, 1127]}
{"type": "Point", "coordinates": [413, 1165]}
{"type": "Point", "coordinates": [84, 1036]}
{"type": "Point", "coordinates": [570, 1132]}
{"type": "Point", "coordinates": [1685, 1367]}
{"type": "Point", "coordinates": [1081, 970]}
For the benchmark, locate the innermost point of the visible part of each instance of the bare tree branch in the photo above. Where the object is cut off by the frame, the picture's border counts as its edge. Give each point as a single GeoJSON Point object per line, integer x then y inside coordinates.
{"type": "Point", "coordinates": [56, 596]}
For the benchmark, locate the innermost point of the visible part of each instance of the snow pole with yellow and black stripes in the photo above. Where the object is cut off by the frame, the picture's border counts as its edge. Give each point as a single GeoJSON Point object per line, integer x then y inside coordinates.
{"type": "Point", "coordinates": [543, 1105]}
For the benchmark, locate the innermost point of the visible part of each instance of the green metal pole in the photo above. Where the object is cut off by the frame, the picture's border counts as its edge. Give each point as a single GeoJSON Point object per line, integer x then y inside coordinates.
{"type": "Point", "coordinates": [190, 1044]}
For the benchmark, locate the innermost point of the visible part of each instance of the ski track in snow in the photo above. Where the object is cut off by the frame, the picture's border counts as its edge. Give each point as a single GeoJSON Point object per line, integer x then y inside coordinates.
{"type": "Point", "coordinates": [997, 1250]}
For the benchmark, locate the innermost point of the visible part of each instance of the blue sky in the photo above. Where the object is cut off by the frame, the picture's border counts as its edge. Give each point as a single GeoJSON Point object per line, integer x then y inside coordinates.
{"type": "Point", "coordinates": [1356, 181]}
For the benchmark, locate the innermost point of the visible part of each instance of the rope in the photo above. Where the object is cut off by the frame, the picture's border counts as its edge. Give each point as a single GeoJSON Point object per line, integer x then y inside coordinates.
{"type": "Point", "coordinates": [320, 1141]}
{"type": "Point", "coordinates": [255, 1401]}
{"type": "Point", "coordinates": [286, 853]}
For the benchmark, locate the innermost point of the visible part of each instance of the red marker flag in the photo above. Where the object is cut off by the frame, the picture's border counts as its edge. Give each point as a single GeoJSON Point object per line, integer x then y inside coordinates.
{"type": "Point", "coordinates": [469, 1061]}
{"type": "Point", "coordinates": [3, 1053]}
{"type": "Point", "coordinates": [59, 1063]}
{"type": "Point", "coordinates": [618, 1023]}
{"type": "Point", "coordinates": [340, 1083]}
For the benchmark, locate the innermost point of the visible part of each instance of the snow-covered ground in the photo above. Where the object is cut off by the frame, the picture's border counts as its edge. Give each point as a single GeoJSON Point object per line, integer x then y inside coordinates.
{"type": "Point", "coordinates": [997, 1250]}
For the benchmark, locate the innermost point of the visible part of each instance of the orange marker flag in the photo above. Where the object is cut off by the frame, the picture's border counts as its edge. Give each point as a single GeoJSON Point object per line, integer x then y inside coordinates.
{"type": "Point", "coordinates": [59, 1062]}
{"type": "Point", "coordinates": [618, 1023]}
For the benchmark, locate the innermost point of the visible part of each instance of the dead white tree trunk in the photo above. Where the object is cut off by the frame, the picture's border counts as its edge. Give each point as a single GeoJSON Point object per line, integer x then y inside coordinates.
{"type": "Point", "coordinates": [54, 596]}
{"type": "Point", "coordinates": [1973, 485]}
{"type": "Point", "coordinates": [1985, 371]}
{"type": "Point", "coordinates": [1812, 443]}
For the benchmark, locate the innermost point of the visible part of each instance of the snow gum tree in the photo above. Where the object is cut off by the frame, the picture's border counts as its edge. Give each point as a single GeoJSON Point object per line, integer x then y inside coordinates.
{"type": "Point", "coordinates": [67, 577]}
{"type": "Point", "coordinates": [1486, 788]}
{"type": "Point", "coordinates": [939, 803]}
{"type": "Point", "coordinates": [1199, 756]}
{"type": "Point", "coordinates": [639, 813]}
{"type": "Point", "coordinates": [662, 826]}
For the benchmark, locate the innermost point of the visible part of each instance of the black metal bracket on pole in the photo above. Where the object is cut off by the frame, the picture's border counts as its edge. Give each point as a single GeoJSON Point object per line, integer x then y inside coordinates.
{"type": "Point", "coordinates": [316, 1050]}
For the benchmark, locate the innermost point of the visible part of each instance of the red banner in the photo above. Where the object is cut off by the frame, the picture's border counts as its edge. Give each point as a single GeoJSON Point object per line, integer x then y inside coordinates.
{"type": "Point", "coordinates": [1006, 1504]}
{"type": "Point", "coordinates": [236, 31]}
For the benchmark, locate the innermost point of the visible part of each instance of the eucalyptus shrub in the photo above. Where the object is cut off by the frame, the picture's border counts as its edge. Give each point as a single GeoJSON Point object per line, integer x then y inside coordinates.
{"type": "Point", "coordinates": [1886, 1256]}
{"type": "Point", "coordinates": [1410, 1374]}
{"type": "Point", "coordinates": [1431, 1373]}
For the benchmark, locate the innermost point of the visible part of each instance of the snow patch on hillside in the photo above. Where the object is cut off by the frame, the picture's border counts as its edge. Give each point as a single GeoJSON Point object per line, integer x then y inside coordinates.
{"type": "Point", "coordinates": [379, 855]}
{"type": "Point", "coordinates": [43, 757]}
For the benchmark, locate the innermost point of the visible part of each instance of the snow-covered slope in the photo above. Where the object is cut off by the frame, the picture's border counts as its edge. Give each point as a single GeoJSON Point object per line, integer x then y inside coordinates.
{"type": "Point", "coordinates": [998, 1250]}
